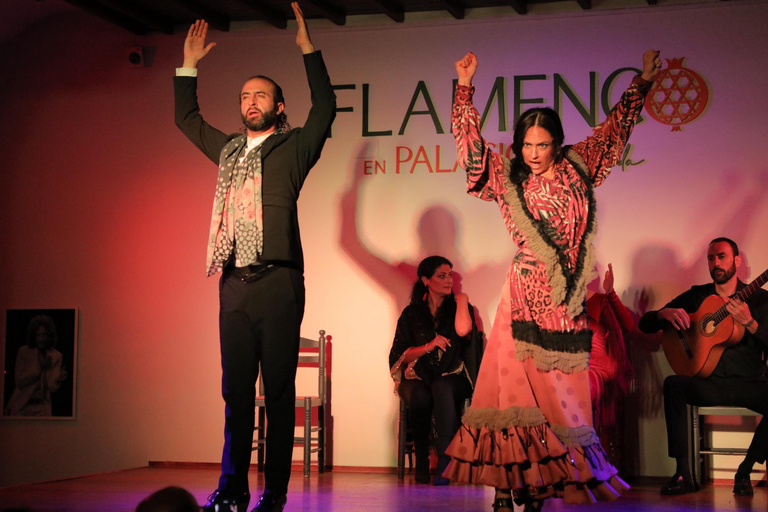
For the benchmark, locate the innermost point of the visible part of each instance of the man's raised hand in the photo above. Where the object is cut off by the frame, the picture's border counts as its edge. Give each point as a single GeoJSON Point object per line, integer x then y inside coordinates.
{"type": "Point", "coordinates": [302, 36]}
{"type": "Point", "coordinates": [194, 45]}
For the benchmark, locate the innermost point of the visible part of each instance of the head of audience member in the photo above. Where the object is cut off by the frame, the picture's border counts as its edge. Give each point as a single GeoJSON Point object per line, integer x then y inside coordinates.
{"type": "Point", "coordinates": [723, 259]}
{"type": "Point", "coordinates": [262, 106]}
{"type": "Point", "coordinates": [169, 499]}
{"type": "Point", "coordinates": [434, 279]}
{"type": "Point", "coordinates": [41, 333]}
{"type": "Point", "coordinates": [537, 143]}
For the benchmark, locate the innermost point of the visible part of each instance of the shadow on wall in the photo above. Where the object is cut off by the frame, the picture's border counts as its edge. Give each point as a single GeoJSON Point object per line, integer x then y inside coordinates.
{"type": "Point", "coordinates": [659, 274]}
{"type": "Point", "coordinates": [438, 232]}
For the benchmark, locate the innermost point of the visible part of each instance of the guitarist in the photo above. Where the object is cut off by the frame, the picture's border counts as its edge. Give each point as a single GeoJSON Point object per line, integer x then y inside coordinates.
{"type": "Point", "coordinates": [739, 379]}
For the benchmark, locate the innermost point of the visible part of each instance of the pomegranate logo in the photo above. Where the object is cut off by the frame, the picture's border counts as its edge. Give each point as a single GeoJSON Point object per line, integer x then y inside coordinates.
{"type": "Point", "coordinates": [678, 95]}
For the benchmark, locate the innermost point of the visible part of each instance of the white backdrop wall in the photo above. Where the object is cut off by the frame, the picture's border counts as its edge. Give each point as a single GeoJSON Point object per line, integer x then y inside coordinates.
{"type": "Point", "coordinates": [105, 206]}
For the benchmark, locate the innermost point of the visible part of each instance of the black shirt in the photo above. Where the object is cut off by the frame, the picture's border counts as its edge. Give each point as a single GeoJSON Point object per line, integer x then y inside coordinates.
{"type": "Point", "coordinates": [745, 359]}
{"type": "Point", "coordinates": [416, 326]}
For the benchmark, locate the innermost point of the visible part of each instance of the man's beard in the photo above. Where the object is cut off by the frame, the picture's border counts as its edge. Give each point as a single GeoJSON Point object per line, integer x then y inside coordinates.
{"type": "Point", "coordinates": [723, 276]}
{"type": "Point", "coordinates": [266, 120]}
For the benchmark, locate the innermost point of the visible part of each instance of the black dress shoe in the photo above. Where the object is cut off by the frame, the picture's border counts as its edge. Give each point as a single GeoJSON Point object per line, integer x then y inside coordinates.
{"type": "Point", "coordinates": [742, 486]}
{"type": "Point", "coordinates": [422, 475]}
{"type": "Point", "coordinates": [677, 485]}
{"type": "Point", "coordinates": [270, 502]}
{"type": "Point", "coordinates": [222, 501]}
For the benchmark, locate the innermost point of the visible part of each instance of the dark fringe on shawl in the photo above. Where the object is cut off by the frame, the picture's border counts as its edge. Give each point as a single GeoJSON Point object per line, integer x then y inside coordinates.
{"type": "Point", "coordinates": [557, 341]}
{"type": "Point", "coordinates": [581, 167]}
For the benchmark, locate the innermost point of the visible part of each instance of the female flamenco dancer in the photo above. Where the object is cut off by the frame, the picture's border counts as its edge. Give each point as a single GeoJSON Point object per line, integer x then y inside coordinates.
{"type": "Point", "coordinates": [434, 360]}
{"type": "Point", "coordinates": [529, 431]}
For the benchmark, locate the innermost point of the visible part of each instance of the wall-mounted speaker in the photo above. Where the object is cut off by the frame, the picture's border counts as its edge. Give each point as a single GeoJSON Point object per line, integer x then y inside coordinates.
{"type": "Point", "coordinates": [135, 56]}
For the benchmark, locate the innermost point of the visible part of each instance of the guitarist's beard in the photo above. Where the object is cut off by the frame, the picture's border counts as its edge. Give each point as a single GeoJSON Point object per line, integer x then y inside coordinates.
{"type": "Point", "coordinates": [720, 276]}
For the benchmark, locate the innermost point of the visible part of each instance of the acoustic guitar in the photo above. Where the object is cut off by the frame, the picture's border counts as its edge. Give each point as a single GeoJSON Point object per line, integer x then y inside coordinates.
{"type": "Point", "coordinates": [697, 350]}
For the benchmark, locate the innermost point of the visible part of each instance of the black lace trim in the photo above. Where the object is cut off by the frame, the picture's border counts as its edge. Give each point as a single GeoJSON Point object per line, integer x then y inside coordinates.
{"type": "Point", "coordinates": [556, 341]}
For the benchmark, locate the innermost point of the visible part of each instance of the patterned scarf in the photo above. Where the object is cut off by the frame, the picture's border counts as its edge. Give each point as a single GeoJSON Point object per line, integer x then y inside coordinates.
{"type": "Point", "coordinates": [237, 222]}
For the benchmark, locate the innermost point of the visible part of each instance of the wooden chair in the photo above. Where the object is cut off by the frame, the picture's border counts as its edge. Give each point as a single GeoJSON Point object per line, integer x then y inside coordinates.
{"type": "Point", "coordinates": [405, 440]}
{"type": "Point", "coordinates": [698, 447]}
{"type": "Point", "coordinates": [472, 358]}
{"type": "Point", "coordinates": [312, 354]}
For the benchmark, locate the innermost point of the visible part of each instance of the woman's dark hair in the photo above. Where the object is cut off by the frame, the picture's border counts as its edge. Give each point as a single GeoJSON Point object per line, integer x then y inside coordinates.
{"type": "Point", "coordinates": [41, 321]}
{"type": "Point", "coordinates": [543, 117]}
{"type": "Point", "coordinates": [277, 96]}
{"type": "Point", "coordinates": [427, 268]}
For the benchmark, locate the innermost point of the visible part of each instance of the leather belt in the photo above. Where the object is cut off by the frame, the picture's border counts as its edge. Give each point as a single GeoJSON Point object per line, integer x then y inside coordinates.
{"type": "Point", "coordinates": [253, 273]}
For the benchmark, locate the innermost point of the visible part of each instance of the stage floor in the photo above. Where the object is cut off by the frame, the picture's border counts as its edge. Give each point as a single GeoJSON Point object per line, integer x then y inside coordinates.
{"type": "Point", "coordinates": [121, 491]}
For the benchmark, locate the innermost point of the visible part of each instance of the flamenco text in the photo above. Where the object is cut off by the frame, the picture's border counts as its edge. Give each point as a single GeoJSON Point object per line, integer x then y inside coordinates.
{"type": "Point", "coordinates": [434, 159]}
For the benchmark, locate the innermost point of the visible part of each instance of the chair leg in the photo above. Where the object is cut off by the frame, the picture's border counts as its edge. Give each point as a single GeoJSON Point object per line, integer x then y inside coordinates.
{"type": "Point", "coordinates": [695, 445]}
{"type": "Point", "coordinates": [260, 444]}
{"type": "Point", "coordinates": [307, 435]}
{"type": "Point", "coordinates": [401, 441]}
{"type": "Point", "coordinates": [321, 439]}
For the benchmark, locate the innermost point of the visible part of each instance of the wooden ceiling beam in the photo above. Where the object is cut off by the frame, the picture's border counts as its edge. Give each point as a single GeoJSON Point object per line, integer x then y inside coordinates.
{"type": "Point", "coordinates": [110, 15]}
{"type": "Point", "coordinates": [454, 7]}
{"type": "Point", "coordinates": [520, 6]}
{"type": "Point", "coordinates": [385, 6]}
{"type": "Point", "coordinates": [141, 15]}
{"type": "Point", "coordinates": [267, 13]}
{"type": "Point", "coordinates": [330, 12]}
{"type": "Point", "coordinates": [216, 20]}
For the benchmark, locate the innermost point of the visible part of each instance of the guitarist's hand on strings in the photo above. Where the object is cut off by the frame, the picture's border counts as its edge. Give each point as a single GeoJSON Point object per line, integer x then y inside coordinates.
{"type": "Point", "coordinates": [676, 316]}
{"type": "Point", "coordinates": [740, 312]}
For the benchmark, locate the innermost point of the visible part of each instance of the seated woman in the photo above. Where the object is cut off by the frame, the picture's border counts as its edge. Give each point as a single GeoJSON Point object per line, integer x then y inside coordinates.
{"type": "Point", "coordinates": [38, 372]}
{"type": "Point", "coordinates": [432, 362]}
{"type": "Point", "coordinates": [609, 369]}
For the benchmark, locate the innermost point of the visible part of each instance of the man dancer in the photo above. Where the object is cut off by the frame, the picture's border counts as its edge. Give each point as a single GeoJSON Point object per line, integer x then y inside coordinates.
{"type": "Point", "coordinates": [254, 241]}
{"type": "Point", "coordinates": [739, 377]}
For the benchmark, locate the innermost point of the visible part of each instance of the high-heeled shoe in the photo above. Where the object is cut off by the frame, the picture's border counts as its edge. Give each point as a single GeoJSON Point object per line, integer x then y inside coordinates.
{"type": "Point", "coordinates": [503, 504]}
{"type": "Point", "coordinates": [533, 506]}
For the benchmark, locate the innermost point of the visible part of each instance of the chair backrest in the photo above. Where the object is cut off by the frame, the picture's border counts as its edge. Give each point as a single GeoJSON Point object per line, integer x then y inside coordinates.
{"type": "Point", "coordinates": [316, 354]}
{"type": "Point", "coordinates": [313, 353]}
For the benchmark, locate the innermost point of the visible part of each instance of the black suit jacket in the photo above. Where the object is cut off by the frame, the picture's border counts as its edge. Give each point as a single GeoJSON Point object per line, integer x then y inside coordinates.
{"type": "Point", "coordinates": [286, 157]}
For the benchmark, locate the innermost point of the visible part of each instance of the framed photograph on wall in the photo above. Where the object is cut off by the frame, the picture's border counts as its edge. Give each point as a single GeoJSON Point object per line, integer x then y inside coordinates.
{"type": "Point", "coordinates": [40, 364]}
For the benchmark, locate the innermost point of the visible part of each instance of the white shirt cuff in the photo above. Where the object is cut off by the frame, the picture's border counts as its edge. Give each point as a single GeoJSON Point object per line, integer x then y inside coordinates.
{"type": "Point", "coordinates": [186, 71]}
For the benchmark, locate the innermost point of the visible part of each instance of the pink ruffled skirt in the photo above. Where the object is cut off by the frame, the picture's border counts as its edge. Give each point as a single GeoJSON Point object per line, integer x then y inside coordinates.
{"type": "Point", "coordinates": [530, 430]}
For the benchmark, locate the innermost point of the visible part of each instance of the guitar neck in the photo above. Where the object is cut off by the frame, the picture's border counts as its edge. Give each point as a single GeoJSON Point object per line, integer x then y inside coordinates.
{"type": "Point", "coordinates": [751, 287]}
{"type": "Point", "coordinates": [742, 295]}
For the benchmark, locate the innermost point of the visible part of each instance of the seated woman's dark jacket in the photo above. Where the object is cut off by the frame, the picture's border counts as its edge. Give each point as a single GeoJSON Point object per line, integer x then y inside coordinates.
{"type": "Point", "coordinates": [417, 327]}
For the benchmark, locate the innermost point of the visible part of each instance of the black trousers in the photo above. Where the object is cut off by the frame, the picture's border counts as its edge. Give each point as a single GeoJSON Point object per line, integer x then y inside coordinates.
{"type": "Point", "coordinates": [259, 323]}
{"type": "Point", "coordinates": [444, 398]}
{"type": "Point", "coordinates": [680, 390]}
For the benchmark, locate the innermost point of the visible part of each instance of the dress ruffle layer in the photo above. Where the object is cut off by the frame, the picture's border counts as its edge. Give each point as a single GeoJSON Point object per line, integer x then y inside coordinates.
{"type": "Point", "coordinates": [533, 462]}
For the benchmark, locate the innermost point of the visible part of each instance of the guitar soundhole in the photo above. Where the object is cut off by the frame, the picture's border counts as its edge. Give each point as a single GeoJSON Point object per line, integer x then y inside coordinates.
{"type": "Point", "coordinates": [708, 326]}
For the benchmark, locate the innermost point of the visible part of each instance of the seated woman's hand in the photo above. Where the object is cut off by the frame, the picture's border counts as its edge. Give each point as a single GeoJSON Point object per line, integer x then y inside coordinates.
{"type": "Point", "coordinates": [440, 342]}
